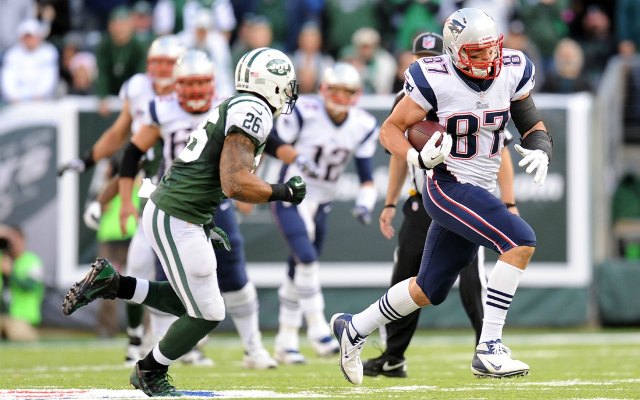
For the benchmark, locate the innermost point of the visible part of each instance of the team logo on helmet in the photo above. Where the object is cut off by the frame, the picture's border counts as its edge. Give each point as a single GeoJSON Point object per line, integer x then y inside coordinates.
{"type": "Point", "coordinates": [455, 28]}
{"type": "Point", "coordinates": [278, 67]}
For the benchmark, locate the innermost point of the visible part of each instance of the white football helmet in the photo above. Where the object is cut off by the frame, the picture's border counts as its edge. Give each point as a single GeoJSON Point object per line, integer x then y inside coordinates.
{"type": "Point", "coordinates": [470, 31]}
{"type": "Point", "coordinates": [341, 87]}
{"type": "Point", "coordinates": [194, 77]}
{"type": "Point", "coordinates": [161, 57]}
{"type": "Point", "coordinates": [269, 73]}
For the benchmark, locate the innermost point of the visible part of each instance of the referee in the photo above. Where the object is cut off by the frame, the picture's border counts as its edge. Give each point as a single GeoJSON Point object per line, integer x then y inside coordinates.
{"type": "Point", "coordinates": [411, 239]}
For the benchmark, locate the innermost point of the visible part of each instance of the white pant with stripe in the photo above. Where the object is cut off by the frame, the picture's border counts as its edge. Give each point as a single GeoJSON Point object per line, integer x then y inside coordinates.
{"type": "Point", "coordinates": [188, 260]}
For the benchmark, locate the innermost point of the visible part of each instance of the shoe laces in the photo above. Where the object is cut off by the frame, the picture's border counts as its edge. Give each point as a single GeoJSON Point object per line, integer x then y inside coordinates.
{"type": "Point", "coordinates": [497, 348]}
{"type": "Point", "coordinates": [160, 382]}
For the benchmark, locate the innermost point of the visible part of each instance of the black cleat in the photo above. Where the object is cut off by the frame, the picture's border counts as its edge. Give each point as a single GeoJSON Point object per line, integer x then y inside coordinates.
{"type": "Point", "coordinates": [154, 383]}
{"type": "Point", "coordinates": [387, 365]}
{"type": "Point", "coordinates": [102, 281]}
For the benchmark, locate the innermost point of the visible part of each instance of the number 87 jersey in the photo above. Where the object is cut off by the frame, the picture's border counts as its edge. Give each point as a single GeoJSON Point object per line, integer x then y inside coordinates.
{"type": "Point", "coordinates": [474, 111]}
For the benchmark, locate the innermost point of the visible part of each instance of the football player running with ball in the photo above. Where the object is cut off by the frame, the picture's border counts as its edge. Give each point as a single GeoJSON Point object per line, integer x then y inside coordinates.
{"type": "Point", "coordinates": [412, 235]}
{"type": "Point", "coordinates": [472, 89]}
{"type": "Point", "coordinates": [217, 162]}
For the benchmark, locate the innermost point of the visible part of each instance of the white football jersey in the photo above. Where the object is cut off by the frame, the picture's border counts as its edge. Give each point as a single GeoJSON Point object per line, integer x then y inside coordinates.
{"type": "Point", "coordinates": [330, 146]}
{"type": "Point", "coordinates": [138, 90]}
{"type": "Point", "coordinates": [475, 116]}
{"type": "Point", "coordinates": [175, 125]}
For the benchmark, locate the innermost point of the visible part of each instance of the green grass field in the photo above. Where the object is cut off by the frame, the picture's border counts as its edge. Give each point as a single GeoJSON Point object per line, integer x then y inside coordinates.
{"type": "Point", "coordinates": [564, 365]}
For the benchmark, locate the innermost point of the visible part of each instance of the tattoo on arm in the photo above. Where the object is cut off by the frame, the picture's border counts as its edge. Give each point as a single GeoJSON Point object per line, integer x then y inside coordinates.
{"type": "Point", "coordinates": [236, 162]}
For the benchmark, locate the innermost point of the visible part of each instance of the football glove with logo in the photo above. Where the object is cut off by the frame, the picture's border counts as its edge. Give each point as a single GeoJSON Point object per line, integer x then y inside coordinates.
{"type": "Point", "coordinates": [431, 155]}
{"type": "Point", "coordinates": [534, 160]}
{"type": "Point", "coordinates": [92, 215]}
{"type": "Point", "coordinates": [292, 191]}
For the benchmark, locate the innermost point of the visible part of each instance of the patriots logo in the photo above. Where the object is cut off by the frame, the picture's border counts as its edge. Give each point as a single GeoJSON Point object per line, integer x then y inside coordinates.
{"type": "Point", "coordinates": [428, 42]}
{"type": "Point", "coordinates": [278, 67]}
{"type": "Point", "coordinates": [455, 28]}
{"type": "Point", "coordinates": [408, 87]}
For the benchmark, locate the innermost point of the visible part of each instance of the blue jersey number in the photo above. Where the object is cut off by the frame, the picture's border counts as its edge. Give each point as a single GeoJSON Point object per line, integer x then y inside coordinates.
{"type": "Point", "coordinates": [466, 127]}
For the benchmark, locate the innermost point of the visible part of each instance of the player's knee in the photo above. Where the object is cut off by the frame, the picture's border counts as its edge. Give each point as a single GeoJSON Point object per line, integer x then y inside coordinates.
{"type": "Point", "coordinates": [438, 296]}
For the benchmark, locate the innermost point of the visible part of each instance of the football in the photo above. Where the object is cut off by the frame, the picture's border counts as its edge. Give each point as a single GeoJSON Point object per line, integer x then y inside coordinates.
{"type": "Point", "coordinates": [422, 131]}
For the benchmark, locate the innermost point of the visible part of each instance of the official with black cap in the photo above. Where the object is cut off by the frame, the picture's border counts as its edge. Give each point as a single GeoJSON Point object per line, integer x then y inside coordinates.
{"type": "Point", "coordinates": [411, 238]}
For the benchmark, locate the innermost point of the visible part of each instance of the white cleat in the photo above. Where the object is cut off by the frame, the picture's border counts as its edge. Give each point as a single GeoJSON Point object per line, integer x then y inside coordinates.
{"type": "Point", "coordinates": [258, 359]}
{"type": "Point", "coordinates": [493, 359]}
{"type": "Point", "coordinates": [196, 357]}
{"type": "Point", "coordinates": [325, 347]}
{"type": "Point", "coordinates": [350, 348]}
{"type": "Point", "coordinates": [289, 357]}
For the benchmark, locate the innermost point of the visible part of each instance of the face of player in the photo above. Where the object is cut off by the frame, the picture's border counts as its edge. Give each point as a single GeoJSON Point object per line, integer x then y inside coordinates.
{"type": "Point", "coordinates": [195, 94]}
{"type": "Point", "coordinates": [481, 61]}
{"type": "Point", "coordinates": [161, 70]}
{"type": "Point", "coordinates": [338, 99]}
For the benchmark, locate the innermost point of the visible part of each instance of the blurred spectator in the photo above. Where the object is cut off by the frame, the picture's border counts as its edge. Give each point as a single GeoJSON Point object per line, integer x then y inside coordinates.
{"type": "Point", "coordinates": [142, 15]}
{"type": "Point", "coordinates": [544, 23]}
{"type": "Point", "coordinates": [416, 17]}
{"type": "Point", "coordinates": [119, 56]}
{"type": "Point", "coordinates": [174, 16]}
{"type": "Point", "coordinates": [405, 59]}
{"type": "Point", "coordinates": [97, 13]}
{"type": "Point", "coordinates": [25, 282]}
{"type": "Point", "coordinates": [628, 28]}
{"type": "Point", "coordinates": [376, 65]}
{"type": "Point", "coordinates": [566, 74]}
{"type": "Point", "coordinates": [626, 215]}
{"type": "Point", "coordinates": [203, 36]}
{"type": "Point", "coordinates": [255, 32]}
{"type": "Point", "coordinates": [597, 43]}
{"type": "Point", "coordinates": [308, 60]}
{"type": "Point", "coordinates": [30, 67]}
{"type": "Point", "coordinates": [55, 15]}
{"type": "Point", "coordinates": [516, 38]}
{"type": "Point", "coordinates": [84, 70]}
{"type": "Point", "coordinates": [343, 18]}
{"type": "Point", "coordinates": [11, 14]}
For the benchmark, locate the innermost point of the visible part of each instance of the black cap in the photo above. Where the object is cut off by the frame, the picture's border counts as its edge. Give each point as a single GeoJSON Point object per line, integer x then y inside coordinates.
{"type": "Point", "coordinates": [428, 44]}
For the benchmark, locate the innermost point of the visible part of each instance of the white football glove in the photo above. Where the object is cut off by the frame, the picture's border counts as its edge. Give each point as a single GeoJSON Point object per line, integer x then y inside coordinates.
{"type": "Point", "coordinates": [431, 155]}
{"type": "Point", "coordinates": [307, 166]}
{"type": "Point", "coordinates": [534, 160]}
{"type": "Point", "coordinates": [92, 215]}
{"type": "Point", "coordinates": [77, 165]}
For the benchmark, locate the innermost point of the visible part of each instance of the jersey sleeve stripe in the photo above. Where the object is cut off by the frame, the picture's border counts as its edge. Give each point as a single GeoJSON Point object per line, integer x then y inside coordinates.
{"type": "Point", "coordinates": [528, 71]}
{"type": "Point", "coordinates": [154, 112]}
{"type": "Point", "coordinates": [368, 135]}
{"type": "Point", "coordinates": [423, 85]}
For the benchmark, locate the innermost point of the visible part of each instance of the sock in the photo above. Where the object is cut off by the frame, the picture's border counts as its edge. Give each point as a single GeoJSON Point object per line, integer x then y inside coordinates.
{"type": "Point", "coordinates": [134, 315]}
{"type": "Point", "coordinates": [501, 287]}
{"type": "Point", "coordinates": [150, 362]}
{"type": "Point", "coordinates": [162, 297]}
{"type": "Point", "coordinates": [183, 335]}
{"type": "Point", "coordinates": [126, 288]}
{"type": "Point", "coordinates": [393, 305]}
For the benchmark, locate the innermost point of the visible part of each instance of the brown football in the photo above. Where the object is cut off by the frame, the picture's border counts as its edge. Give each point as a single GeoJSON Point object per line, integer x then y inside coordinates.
{"type": "Point", "coordinates": [422, 131]}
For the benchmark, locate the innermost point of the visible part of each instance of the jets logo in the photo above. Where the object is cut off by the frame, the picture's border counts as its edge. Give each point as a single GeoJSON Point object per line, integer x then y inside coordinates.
{"type": "Point", "coordinates": [279, 67]}
{"type": "Point", "coordinates": [455, 28]}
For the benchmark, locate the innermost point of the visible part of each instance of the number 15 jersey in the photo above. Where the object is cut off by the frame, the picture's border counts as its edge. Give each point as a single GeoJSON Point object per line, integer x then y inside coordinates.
{"type": "Point", "coordinates": [475, 112]}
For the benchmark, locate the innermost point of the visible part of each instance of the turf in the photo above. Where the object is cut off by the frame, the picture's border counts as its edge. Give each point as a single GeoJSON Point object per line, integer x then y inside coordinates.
{"type": "Point", "coordinates": [564, 365]}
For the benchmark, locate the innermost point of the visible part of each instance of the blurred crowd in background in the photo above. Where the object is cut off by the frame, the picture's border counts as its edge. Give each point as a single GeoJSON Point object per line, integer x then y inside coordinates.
{"type": "Point", "coordinates": [51, 48]}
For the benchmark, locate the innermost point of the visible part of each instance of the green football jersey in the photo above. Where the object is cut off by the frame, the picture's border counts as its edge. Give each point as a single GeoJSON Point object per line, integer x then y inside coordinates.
{"type": "Point", "coordinates": [191, 189]}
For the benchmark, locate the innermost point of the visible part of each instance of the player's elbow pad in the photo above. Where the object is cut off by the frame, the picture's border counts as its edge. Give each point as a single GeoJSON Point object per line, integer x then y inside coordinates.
{"type": "Point", "coordinates": [130, 161]}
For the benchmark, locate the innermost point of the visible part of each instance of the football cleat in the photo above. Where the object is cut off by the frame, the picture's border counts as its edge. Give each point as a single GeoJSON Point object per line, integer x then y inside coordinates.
{"type": "Point", "coordinates": [386, 365]}
{"type": "Point", "coordinates": [493, 359]}
{"type": "Point", "coordinates": [350, 348]}
{"type": "Point", "coordinates": [197, 358]}
{"type": "Point", "coordinates": [325, 347]}
{"type": "Point", "coordinates": [258, 359]}
{"type": "Point", "coordinates": [102, 281]}
{"type": "Point", "coordinates": [289, 357]}
{"type": "Point", "coordinates": [154, 383]}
